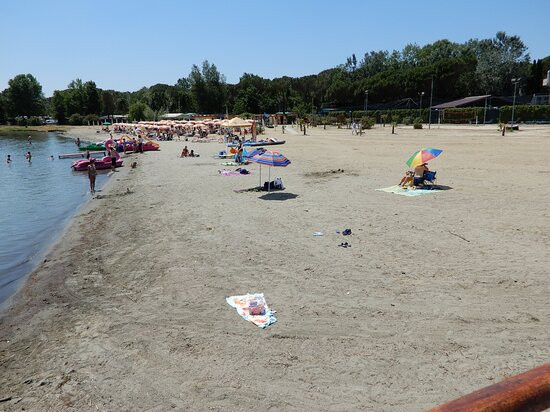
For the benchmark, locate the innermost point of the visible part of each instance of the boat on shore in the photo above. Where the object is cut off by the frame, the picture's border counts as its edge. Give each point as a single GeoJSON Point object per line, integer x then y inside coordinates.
{"type": "Point", "coordinates": [104, 163]}
{"type": "Point", "coordinates": [93, 147]}
{"type": "Point", "coordinates": [72, 155]}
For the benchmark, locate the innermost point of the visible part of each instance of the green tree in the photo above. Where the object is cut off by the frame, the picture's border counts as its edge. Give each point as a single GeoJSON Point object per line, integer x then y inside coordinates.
{"type": "Point", "coordinates": [92, 102]}
{"type": "Point", "coordinates": [498, 61]}
{"type": "Point", "coordinates": [24, 96]}
{"type": "Point", "coordinates": [122, 106]}
{"type": "Point", "coordinates": [158, 101]}
{"type": "Point", "coordinates": [207, 87]}
{"type": "Point", "coordinates": [137, 110]}
{"type": "Point", "coordinates": [75, 98]}
{"type": "Point", "coordinates": [3, 116]}
{"type": "Point", "coordinates": [108, 103]}
{"type": "Point", "coordinates": [58, 106]}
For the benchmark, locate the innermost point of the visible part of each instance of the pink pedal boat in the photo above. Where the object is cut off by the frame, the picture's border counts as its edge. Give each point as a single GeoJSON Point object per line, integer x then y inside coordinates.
{"type": "Point", "coordinates": [103, 163]}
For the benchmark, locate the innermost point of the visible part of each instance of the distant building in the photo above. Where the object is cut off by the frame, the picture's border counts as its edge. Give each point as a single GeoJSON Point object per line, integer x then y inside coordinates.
{"type": "Point", "coordinates": [173, 116]}
{"type": "Point", "coordinates": [115, 118]}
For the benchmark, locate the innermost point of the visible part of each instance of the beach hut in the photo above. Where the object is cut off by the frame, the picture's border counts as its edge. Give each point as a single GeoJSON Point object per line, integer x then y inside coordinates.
{"type": "Point", "coordinates": [238, 122]}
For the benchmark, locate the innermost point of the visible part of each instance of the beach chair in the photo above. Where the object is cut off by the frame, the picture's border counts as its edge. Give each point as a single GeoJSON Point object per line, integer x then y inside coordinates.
{"type": "Point", "coordinates": [429, 179]}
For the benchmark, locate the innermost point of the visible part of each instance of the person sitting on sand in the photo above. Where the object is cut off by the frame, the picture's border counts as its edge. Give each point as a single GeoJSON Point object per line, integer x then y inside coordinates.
{"type": "Point", "coordinates": [185, 152]}
{"type": "Point", "coordinates": [408, 179]}
{"type": "Point", "coordinates": [192, 154]}
{"type": "Point", "coordinates": [419, 174]}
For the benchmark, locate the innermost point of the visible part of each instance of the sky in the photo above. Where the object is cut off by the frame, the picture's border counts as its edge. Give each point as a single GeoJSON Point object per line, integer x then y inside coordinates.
{"type": "Point", "coordinates": [125, 45]}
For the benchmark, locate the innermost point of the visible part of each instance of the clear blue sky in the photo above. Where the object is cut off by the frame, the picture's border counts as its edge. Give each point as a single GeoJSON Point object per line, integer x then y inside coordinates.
{"type": "Point", "coordinates": [125, 45]}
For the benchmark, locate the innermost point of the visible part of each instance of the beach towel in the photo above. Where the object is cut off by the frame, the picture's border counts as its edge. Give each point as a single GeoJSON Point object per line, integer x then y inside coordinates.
{"type": "Point", "coordinates": [253, 308]}
{"type": "Point", "coordinates": [398, 190]}
{"type": "Point", "coordinates": [232, 173]}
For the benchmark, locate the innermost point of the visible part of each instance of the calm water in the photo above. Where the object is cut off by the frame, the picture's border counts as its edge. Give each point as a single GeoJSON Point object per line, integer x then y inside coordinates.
{"type": "Point", "coordinates": [37, 199]}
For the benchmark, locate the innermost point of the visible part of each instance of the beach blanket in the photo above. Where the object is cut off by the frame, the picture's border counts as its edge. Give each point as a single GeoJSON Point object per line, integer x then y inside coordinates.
{"type": "Point", "coordinates": [233, 173]}
{"type": "Point", "coordinates": [253, 308]}
{"type": "Point", "coordinates": [398, 190]}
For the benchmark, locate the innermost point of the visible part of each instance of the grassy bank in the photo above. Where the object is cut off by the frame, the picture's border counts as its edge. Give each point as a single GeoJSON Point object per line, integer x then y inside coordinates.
{"type": "Point", "coordinates": [42, 128]}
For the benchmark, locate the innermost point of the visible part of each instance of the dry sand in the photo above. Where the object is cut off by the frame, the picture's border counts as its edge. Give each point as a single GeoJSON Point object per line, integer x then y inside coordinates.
{"type": "Point", "coordinates": [439, 295]}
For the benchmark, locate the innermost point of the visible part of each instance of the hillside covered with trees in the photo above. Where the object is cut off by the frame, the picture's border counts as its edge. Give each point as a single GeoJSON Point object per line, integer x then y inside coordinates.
{"type": "Point", "coordinates": [478, 66]}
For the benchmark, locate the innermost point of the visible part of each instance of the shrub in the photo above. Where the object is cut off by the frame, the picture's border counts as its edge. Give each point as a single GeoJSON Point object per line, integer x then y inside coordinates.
{"type": "Point", "coordinates": [34, 121]}
{"type": "Point", "coordinates": [417, 123]}
{"type": "Point", "coordinates": [75, 119]}
{"type": "Point", "coordinates": [22, 121]}
{"type": "Point", "coordinates": [407, 120]}
{"type": "Point", "coordinates": [367, 122]}
{"type": "Point", "coordinates": [340, 119]}
{"type": "Point", "coordinates": [91, 118]}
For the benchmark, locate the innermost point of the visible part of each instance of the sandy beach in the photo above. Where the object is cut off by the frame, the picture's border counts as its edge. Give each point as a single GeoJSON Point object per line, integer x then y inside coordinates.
{"type": "Point", "coordinates": [437, 296]}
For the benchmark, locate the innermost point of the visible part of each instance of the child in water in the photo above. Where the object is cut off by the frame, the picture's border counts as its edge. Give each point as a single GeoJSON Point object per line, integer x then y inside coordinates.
{"type": "Point", "coordinates": [92, 173]}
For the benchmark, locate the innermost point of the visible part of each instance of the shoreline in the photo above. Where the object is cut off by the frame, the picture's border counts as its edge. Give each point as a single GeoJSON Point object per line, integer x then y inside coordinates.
{"type": "Point", "coordinates": [129, 309]}
{"type": "Point", "coordinates": [50, 247]}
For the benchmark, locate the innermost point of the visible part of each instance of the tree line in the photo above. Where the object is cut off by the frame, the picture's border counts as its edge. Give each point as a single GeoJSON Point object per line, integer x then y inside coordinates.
{"type": "Point", "coordinates": [477, 66]}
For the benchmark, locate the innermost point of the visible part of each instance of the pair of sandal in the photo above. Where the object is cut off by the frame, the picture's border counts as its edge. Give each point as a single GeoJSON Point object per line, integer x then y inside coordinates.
{"type": "Point", "coordinates": [344, 244]}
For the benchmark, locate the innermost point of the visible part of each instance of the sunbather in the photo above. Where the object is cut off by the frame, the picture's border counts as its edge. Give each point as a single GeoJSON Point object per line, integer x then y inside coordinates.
{"type": "Point", "coordinates": [184, 152]}
{"type": "Point", "coordinates": [408, 179]}
{"type": "Point", "coordinates": [419, 174]}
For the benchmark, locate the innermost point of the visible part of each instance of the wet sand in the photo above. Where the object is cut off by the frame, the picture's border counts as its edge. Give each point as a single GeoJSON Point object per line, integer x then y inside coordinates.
{"type": "Point", "coordinates": [439, 295]}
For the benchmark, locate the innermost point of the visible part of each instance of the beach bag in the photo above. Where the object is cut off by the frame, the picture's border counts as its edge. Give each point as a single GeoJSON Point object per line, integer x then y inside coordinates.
{"type": "Point", "coordinates": [278, 184]}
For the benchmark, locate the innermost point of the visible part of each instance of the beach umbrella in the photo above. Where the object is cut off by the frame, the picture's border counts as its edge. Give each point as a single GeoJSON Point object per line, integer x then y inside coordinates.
{"type": "Point", "coordinates": [238, 122]}
{"type": "Point", "coordinates": [423, 156]}
{"type": "Point", "coordinates": [271, 159]}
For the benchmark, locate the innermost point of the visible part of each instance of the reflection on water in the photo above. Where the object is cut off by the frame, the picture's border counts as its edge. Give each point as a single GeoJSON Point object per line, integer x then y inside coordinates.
{"type": "Point", "coordinates": [37, 199]}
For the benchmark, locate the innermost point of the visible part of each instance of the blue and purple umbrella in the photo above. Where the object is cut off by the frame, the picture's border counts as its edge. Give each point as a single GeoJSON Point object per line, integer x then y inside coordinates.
{"type": "Point", "coordinates": [269, 158]}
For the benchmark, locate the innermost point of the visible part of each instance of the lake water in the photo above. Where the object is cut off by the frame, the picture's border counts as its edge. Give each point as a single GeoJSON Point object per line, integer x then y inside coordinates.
{"type": "Point", "coordinates": [37, 200]}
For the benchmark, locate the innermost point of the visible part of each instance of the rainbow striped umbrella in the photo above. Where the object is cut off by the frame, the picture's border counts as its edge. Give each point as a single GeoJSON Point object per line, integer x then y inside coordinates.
{"type": "Point", "coordinates": [269, 158]}
{"type": "Point", "coordinates": [423, 156]}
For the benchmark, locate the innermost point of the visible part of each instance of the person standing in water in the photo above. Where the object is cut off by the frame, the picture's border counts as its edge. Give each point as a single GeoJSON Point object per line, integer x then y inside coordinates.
{"type": "Point", "coordinates": [78, 141]}
{"type": "Point", "coordinates": [28, 156]}
{"type": "Point", "coordinates": [8, 159]}
{"type": "Point", "coordinates": [29, 141]}
{"type": "Point", "coordinates": [92, 173]}
{"type": "Point", "coordinates": [113, 154]}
